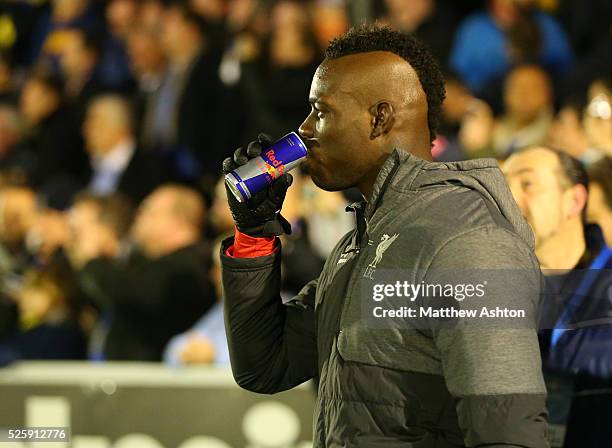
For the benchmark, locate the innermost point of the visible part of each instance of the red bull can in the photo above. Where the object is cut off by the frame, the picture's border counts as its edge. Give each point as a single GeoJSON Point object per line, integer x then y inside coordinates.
{"type": "Point", "coordinates": [281, 157]}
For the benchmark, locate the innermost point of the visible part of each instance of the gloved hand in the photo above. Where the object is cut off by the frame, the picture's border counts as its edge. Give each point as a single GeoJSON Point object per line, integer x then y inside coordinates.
{"type": "Point", "coordinates": [259, 216]}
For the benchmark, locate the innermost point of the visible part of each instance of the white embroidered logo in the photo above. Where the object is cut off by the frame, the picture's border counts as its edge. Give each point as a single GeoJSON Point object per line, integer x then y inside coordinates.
{"type": "Point", "coordinates": [385, 242]}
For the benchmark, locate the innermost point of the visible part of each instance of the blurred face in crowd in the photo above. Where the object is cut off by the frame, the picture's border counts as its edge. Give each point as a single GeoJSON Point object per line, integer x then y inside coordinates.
{"type": "Point", "coordinates": [89, 237]}
{"type": "Point", "coordinates": [120, 15]}
{"type": "Point", "coordinates": [18, 212]}
{"type": "Point", "coordinates": [527, 93]}
{"type": "Point", "coordinates": [37, 101]}
{"type": "Point", "coordinates": [145, 52]}
{"type": "Point", "coordinates": [106, 125]}
{"type": "Point", "coordinates": [507, 12]}
{"type": "Point", "coordinates": [457, 102]}
{"type": "Point", "coordinates": [48, 233]}
{"type": "Point", "coordinates": [156, 218]}
{"type": "Point", "coordinates": [408, 15]}
{"type": "Point", "coordinates": [67, 10]}
{"type": "Point", "coordinates": [177, 33]}
{"type": "Point", "coordinates": [168, 220]}
{"type": "Point", "coordinates": [542, 193]}
{"type": "Point", "coordinates": [288, 44]}
{"type": "Point", "coordinates": [353, 126]}
{"type": "Point", "coordinates": [76, 59]}
{"type": "Point", "coordinates": [567, 133]}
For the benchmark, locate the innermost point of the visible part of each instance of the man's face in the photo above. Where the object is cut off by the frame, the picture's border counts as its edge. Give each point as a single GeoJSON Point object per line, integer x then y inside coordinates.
{"type": "Point", "coordinates": [534, 177]}
{"type": "Point", "coordinates": [154, 220]}
{"type": "Point", "coordinates": [100, 130]}
{"type": "Point", "coordinates": [337, 130]}
{"type": "Point", "coordinates": [527, 93]}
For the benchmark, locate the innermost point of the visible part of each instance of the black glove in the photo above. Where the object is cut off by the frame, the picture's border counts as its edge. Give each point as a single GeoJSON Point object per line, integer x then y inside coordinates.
{"type": "Point", "coordinates": [259, 216]}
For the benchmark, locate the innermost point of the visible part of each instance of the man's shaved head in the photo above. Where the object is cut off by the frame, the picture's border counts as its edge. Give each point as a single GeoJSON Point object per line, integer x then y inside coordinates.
{"type": "Point", "coordinates": [377, 90]}
{"type": "Point", "coordinates": [375, 38]}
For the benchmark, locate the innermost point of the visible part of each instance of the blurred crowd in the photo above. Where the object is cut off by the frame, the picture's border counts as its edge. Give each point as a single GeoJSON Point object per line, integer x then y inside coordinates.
{"type": "Point", "coordinates": [115, 117]}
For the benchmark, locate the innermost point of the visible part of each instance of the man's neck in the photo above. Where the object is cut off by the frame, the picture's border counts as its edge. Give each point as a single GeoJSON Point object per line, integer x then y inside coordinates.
{"type": "Point", "coordinates": [563, 250]}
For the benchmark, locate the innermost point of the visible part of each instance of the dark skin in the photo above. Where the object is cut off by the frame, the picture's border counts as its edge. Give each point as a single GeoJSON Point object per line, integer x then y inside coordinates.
{"type": "Point", "coordinates": [363, 107]}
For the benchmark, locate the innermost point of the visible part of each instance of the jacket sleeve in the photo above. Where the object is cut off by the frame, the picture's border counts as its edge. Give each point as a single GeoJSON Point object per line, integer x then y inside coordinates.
{"type": "Point", "coordinates": [493, 369]}
{"type": "Point", "coordinates": [272, 344]}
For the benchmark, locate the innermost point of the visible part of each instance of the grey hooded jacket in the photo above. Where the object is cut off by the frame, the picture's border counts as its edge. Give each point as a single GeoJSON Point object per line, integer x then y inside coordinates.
{"type": "Point", "coordinates": [410, 388]}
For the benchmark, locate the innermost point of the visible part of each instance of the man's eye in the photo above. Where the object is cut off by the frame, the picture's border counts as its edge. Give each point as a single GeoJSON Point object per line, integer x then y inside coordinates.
{"type": "Point", "coordinates": [526, 184]}
{"type": "Point", "coordinates": [319, 114]}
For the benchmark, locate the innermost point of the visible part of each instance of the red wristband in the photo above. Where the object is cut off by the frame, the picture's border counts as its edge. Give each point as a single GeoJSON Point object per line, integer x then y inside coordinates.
{"type": "Point", "coordinates": [246, 246]}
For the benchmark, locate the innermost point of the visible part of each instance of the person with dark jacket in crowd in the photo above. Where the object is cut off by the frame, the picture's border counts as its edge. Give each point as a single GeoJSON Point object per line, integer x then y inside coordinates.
{"type": "Point", "coordinates": [48, 325]}
{"type": "Point", "coordinates": [163, 288]}
{"type": "Point", "coordinates": [375, 105]}
{"type": "Point", "coordinates": [117, 164]}
{"type": "Point", "coordinates": [275, 82]}
{"type": "Point", "coordinates": [52, 135]}
{"type": "Point", "coordinates": [189, 117]}
{"type": "Point", "coordinates": [550, 188]}
{"type": "Point", "coordinates": [79, 66]}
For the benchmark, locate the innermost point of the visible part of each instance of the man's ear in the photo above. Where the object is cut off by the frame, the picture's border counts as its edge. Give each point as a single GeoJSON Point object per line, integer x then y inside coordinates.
{"type": "Point", "coordinates": [383, 118]}
{"type": "Point", "coordinates": [579, 197]}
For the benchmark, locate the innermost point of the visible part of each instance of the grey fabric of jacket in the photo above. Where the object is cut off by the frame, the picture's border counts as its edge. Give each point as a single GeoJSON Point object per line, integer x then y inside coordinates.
{"type": "Point", "coordinates": [415, 388]}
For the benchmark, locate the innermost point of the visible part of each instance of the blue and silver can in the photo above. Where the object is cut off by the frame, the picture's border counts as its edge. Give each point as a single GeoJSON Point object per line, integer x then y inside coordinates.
{"type": "Point", "coordinates": [281, 157]}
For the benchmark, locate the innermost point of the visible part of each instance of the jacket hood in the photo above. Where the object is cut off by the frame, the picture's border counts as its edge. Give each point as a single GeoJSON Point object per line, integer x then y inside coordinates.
{"type": "Point", "coordinates": [482, 175]}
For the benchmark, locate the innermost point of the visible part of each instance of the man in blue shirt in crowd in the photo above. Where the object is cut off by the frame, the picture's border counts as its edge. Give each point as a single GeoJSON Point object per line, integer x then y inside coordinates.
{"type": "Point", "coordinates": [550, 188]}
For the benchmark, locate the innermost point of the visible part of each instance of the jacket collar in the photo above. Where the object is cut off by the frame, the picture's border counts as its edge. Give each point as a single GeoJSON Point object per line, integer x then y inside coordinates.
{"type": "Point", "coordinates": [410, 166]}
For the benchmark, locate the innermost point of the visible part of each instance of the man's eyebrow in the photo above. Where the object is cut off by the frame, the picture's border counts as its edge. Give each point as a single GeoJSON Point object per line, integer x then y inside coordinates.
{"type": "Point", "coordinates": [313, 100]}
{"type": "Point", "coordinates": [522, 171]}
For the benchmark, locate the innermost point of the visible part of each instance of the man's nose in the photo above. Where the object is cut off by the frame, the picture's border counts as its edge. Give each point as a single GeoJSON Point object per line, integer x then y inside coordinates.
{"type": "Point", "coordinates": [306, 130]}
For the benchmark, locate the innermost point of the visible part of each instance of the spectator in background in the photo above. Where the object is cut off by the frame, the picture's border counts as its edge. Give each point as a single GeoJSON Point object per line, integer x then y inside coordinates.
{"type": "Point", "coordinates": [48, 37]}
{"type": "Point", "coordinates": [205, 343]}
{"type": "Point", "coordinates": [18, 212]}
{"type": "Point", "coordinates": [550, 188]}
{"type": "Point", "coordinates": [114, 68]}
{"type": "Point", "coordinates": [118, 166]}
{"type": "Point", "coordinates": [189, 115]}
{"type": "Point", "coordinates": [599, 207]}
{"type": "Point", "coordinates": [483, 51]}
{"type": "Point", "coordinates": [17, 164]}
{"type": "Point", "coordinates": [48, 328]}
{"type": "Point", "coordinates": [99, 227]}
{"type": "Point", "coordinates": [163, 290]}
{"type": "Point", "coordinates": [585, 131]}
{"type": "Point", "coordinates": [276, 77]}
{"type": "Point", "coordinates": [459, 102]}
{"type": "Point", "coordinates": [148, 64]}
{"type": "Point", "coordinates": [430, 21]}
{"type": "Point", "coordinates": [598, 123]}
{"type": "Point", "coordinates": [78, 62]}
{"type": "Point", "coordinates": [52, 136]}
{"type": "Point", "coordinates": [47, 236]}
{"type": "Point", "coordinates": [526, 119]}
{"type": "Point", "coordinates": [528, 100]}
